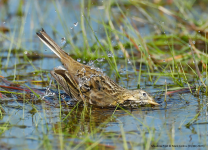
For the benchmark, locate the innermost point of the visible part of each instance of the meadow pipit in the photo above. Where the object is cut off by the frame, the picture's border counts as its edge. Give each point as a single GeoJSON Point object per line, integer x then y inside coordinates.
{"type": "Point", "coordinates": [89, 85]}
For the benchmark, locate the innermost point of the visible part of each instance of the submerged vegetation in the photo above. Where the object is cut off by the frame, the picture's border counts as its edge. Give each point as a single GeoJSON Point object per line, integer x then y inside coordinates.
{"type": "Point", "coordinates": [159, 46]}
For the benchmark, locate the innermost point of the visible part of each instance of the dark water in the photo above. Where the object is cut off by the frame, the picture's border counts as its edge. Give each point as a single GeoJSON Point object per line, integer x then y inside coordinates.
{"type": "Point", "coordinates": [22, 127]}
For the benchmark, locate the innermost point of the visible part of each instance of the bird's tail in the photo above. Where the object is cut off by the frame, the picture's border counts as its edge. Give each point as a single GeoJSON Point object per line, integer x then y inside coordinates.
{"type": "Point", "coordinates": [45, 38]}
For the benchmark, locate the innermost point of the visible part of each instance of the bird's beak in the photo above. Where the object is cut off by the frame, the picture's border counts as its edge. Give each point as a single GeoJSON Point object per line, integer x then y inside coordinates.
{"type": "Point", "coordinates": [151, 102]}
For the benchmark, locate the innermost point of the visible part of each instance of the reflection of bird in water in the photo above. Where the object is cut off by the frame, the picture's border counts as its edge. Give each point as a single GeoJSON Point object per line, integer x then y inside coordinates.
{"type": "Point", "coordinates": [89, 85]}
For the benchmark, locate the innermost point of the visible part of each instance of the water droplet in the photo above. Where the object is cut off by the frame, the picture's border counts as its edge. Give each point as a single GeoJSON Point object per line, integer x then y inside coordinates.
{"type": "Point", "coordinates": [92, 67]}
{"type": "Point", "coordinates": [83, 70]}
{"type": "Point", "coordinates": [189, 45]}
{"type": "Point", "coordinates": [100, 59]}
{"type": "Point", "coordinates": [139, 45]}
{"type": "Point", "coordinates": [99, 69]}
{"type": "Point", "coordinates": [75, 24]}
{"type": "Point", "coordinates": [80, 84]}
{"type": "Point", "coordinates": [63, 41]}
{"type": "Point", "coordinates": [71, 28]}
{"type": "Point", "coordinates": [129, 62]}
{"type": "Point", "coordinates": [163, 60]}
{"type": "Point", "coordinates": [79, 60]}
{"type": "Point", "coordinates": [25, 52]}
{"type": "Point", "coordinates": [47, 91]}
{"type": "Point", "coordinates": [194, 42]}
{"type": "Point", "coordinates": [110, 54]}
{"type": "Point", "coordinates": [90, 63]}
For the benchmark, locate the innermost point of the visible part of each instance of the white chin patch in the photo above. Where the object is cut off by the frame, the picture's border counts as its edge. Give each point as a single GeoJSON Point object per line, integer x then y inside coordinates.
{"type": "Point", "coordinates": [60, 67]}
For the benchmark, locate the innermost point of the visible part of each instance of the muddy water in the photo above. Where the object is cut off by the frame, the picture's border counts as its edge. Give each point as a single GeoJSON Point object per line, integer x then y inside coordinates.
{"type": "Point", "coordinates": [35, 124]}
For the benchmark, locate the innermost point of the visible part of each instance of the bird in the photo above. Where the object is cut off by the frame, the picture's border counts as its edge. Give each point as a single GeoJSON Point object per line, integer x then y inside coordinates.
{"type": "Point", "coordinates": [84, 83]}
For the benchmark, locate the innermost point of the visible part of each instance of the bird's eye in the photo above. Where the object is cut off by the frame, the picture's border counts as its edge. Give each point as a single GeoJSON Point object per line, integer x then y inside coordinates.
{"type": "Point", "coordinates": [144, 94]}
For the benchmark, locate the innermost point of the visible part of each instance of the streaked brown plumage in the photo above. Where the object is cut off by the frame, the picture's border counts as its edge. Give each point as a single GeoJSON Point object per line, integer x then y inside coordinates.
{"type": "Point", "coordinates": [84, 83]}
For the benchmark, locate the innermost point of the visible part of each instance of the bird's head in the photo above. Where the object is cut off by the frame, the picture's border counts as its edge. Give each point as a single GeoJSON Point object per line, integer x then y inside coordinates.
{"type": "Point", "coordinates": [138, 97]}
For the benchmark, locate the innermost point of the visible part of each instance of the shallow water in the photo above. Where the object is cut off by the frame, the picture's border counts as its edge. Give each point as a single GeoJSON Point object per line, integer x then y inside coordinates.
{"type": "Point", "coordinates": [30, 124]}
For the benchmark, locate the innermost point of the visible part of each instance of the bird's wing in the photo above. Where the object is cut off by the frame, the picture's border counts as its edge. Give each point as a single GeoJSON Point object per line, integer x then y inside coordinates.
{"type": "Point", "coordinates": [103, 91]}
{"type": "Point", "coordinates": [97, 90]}
{"type": "Point", "coordinates": [68, 83]}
